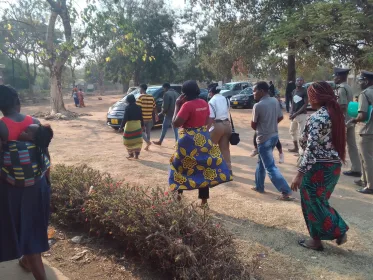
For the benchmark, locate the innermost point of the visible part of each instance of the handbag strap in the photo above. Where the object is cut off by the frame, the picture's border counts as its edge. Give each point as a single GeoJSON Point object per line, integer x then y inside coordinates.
{"type": "Point", "coordinates": [230, 115]}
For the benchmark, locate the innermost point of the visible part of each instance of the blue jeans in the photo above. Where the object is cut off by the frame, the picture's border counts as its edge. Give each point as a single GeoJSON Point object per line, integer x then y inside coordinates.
{"type": "Point", "coordinates": [167, 121]}
{"type": "Point", "coordinates": [266, 163]}
{"type": "Point", "coordinates": [146, 134]}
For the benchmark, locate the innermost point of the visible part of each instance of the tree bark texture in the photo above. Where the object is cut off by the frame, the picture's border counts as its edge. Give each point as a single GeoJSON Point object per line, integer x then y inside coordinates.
{"type": "Point", "coordinates": [291, 61]}
{"type": "Point", "coordinates": [57, 104]}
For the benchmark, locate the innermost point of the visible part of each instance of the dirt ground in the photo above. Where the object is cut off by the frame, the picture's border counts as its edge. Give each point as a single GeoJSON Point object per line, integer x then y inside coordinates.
{"type": "Point", "coordinates": [260, 224]}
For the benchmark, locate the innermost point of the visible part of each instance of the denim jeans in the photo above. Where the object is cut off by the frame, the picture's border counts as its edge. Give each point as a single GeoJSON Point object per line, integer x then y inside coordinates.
{"type": "Point", "coordinates": [148, 127]}
{"type": "Point", "coordinates": [167, 121]}
{"type": "Point", "coordinates": [266, 163]}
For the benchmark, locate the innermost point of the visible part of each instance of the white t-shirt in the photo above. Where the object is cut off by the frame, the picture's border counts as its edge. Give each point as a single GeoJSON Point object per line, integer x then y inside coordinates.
{"type": "Point", "coordinates": [219, 109]}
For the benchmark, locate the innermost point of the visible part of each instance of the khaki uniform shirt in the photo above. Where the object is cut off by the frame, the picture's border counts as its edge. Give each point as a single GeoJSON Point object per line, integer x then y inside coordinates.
{"type": "Point", "coordinates": [365, 100]}
{"type": "Point", "coordinates": [344, 95]}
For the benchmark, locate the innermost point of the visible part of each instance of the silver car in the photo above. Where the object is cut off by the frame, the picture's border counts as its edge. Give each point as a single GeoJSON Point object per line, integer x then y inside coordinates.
{"type": "Point", "coordinates": [230, 89]}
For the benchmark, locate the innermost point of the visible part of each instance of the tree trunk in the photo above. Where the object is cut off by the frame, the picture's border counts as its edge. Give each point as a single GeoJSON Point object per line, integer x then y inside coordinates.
{"type": "Point", "coordinates": [136, 77]}
{"type": "Point", "coordinates": [57, 104]}
{"type": "Point", "coordinates": [125, 85]}
{"type": "Point", "coordinates": [291, 61]}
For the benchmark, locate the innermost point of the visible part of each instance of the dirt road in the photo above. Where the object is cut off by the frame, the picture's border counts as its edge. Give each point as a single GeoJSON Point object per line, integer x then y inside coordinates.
{"type": "Point", "coordinates": [260, 223]}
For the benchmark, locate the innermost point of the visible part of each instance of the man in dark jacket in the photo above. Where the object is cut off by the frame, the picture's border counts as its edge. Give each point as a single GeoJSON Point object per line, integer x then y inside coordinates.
{"type": "Point", "coordinates": [288, 95]}
{"type": "Point", "coordinates": [168, 109]}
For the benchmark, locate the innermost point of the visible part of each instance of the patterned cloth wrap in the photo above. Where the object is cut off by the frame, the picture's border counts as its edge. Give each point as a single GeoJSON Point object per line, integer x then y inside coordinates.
{"type": "Point", "coordinates": [323, 221]}
{"type": "Point", "coordinates": [19, 164]}
{"type": "Point", "coordinates": [197, 162]}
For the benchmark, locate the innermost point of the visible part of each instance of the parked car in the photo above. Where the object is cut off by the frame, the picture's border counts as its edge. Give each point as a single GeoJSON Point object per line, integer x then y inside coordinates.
{"type": "Point", "coordinates": [306, 85]}
{"type": "Point", "coordinates": [131, 89]}
{"type": "Point", "coordinates": [231, 89]}
{"type": "Point", "coordinates": [116, 112]}
{"type": "Point", "coordinates": [245, 99]}
{"type": "Point", "coordinates": [204, 94]}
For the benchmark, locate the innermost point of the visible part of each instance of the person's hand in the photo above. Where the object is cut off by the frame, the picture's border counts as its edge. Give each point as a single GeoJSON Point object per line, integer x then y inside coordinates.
{"type": "Point", "coordinates": [297, 181]}
{"type": "Point", "coordinates": [353, 121]}
{"type": "Point", "coordinates": [156, 118]}
{"type": "Point", "coordinates": [181, 100]}
{"type": "Point", "coordinates": [292, 117]}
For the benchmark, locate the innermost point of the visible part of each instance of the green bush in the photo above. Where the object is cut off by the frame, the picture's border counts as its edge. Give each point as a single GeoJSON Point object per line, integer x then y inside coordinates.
{"type": "Point", "coordinates": [178, 239]}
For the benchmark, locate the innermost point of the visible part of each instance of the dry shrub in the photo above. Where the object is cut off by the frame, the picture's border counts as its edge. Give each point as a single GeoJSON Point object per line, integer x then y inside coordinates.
{"type": "Point", "coordinates": [178, 239]}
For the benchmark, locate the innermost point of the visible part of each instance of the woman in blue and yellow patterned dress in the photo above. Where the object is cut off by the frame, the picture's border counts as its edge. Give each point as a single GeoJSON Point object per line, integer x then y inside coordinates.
{"type": "Point", "coordinates": [197, 163]}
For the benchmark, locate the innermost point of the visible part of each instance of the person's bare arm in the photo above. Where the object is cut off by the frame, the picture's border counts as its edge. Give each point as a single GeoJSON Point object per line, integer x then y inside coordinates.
{"type": "Point", "coordinates": [280, 119]}
{"type": "Point", "coordinates": [303, 108]}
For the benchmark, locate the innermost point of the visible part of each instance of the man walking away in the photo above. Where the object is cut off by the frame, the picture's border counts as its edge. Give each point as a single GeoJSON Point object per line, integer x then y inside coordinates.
{"type": "Point", "coordinates": [288, 95]}
{"type": "Point", "coordinates": [271, 89]}
{"type": "Point", "coordinates": [168, 109]}
{"type": "Point", "coordinates": [366, 132]}
{"type": "Point", "coordinates": [266, 116]}
{"type": "Point", "coordinates": [298, 113]}
{"type": "Point", "coordinates": [221, 129]}
{"type": "Point", "coordinates": [149, 113]}
{"type": "Point", "coordinates": [344, 96]}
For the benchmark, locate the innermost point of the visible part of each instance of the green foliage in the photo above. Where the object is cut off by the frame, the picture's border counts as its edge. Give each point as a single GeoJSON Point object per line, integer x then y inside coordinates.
{"type": "Point", "coordinates": [175, 238]}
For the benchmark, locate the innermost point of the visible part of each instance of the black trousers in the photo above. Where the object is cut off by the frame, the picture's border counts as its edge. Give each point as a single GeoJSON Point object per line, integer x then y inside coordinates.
{"type": "Point", "coordinates": [278, 145]}
{"type": "Point", "coordinates": [287, 102]}
{"type": "Point", "coordinates": [203, 193]}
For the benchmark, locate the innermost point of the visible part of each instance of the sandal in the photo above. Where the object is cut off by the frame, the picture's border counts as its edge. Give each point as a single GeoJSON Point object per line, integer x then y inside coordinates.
{"type": "Point", "coordinates": [285, 198]}
{"type": "Point", "coordinates": [342, 240]}
{"type": "Point", "coordinates": [254, 189]}
{"type": "Point", "coordinates": [304, 245]}
{"type": "Point", "coordinates": [21, 262]}
{"type": "Point", "coordinates": [365, 191]}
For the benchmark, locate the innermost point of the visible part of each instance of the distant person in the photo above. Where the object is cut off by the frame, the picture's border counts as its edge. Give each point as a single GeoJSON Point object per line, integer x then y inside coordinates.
{"type": "Point", "coordinates": [266, 116]}
{"type": "Point", "coordinates": [324, 144]}
{"type": "Point", "coordinates": [168, 109]}
{"type": "Point", "coordinates": [132, 127]}
{"type": "Point", "coordinates": [81, 98]}
{"type": "Point", "coordinates": [272, 90]}
{"type": "Point", "coordinates": [345, 96]}
{"type": "Point", "coordinates": [196, 163]}
{"type": "Point", "coordinates": [298, 113]}
{"type": "Point", "coordinates": [24, 190]}
{"type": "Point", "coordinates": [366, 132]}
{"type": "Point", "coordinates": [149, 113]}
{"type": "Point", "coordinates": [288, 94]}
{"type": "Point", "coordinates": [221, 129]}
{"type": "Point", "coordinates": [75, 96]}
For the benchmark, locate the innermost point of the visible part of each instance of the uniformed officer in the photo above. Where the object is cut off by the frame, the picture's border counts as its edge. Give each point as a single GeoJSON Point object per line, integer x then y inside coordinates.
{"type": "Point", "coordinates": [366, 132]}
{"type": "Point", "coordinates": [344, 96]}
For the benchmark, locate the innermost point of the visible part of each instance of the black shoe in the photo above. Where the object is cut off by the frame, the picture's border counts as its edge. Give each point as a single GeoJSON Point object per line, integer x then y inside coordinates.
{"type": "Point", "coordinates": [352, 173]}
{"type": "Point", "coordinates": [360, 183]}
{"type": "Point", "coordinates": [365, 191]}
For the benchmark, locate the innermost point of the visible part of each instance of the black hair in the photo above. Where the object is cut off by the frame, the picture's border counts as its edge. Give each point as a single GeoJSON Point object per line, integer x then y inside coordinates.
{"type": "Point", "coordinates": [131, 99]}
{"type": "Point", "coordinates": [144, 87]}
{"type": "Point", "coordinates": [8, 98]}
{"type": "Point", "coordinates": [80, 89]}
{"type": "Point", "coordinates": [42, 139]}
{"type": "Point", "coordinates": [190, 89]}
{"type": "Point", "coordinates": [166, 85]}
{"type": "Point", "coordinates": [215, 90]}
{"type": "Point", "coordinates": [262, 86]}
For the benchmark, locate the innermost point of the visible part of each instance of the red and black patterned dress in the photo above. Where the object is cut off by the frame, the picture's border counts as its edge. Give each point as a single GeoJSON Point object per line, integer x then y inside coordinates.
{"type": "Point", "coordinates": [321, 166]}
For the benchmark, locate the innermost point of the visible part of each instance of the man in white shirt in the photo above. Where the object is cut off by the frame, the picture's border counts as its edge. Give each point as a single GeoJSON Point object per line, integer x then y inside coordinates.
{"type": "Point", "coordinates": [221, 129]}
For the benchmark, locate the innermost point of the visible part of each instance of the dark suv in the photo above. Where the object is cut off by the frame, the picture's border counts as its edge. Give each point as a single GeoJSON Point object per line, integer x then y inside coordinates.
{"type": "Point", "coordinates": [116, 112]}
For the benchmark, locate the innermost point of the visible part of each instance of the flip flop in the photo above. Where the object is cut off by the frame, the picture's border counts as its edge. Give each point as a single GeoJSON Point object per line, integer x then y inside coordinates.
{"type": "Point", "coordinates": [342, 240]}
{"type": "Point", "coordinates": [254, 189]}
{"type": "Point", "coordinates": [285, 198]}
{"type": "Point", "coordinates": [304, 245]}
{"type": "Point", "coordinates": [365, 191]}
{"type": "Point", "coordinates": [23, 265]}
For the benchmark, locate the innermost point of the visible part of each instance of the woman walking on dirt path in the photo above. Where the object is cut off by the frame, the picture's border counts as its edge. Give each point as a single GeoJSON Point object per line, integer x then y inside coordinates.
{"type": "Point", "coordinates": [81, 98]}
{"type": "Point", "coordinates": [24, 190]}
{"type": "Point", "coordinates": [75, 96]}
{"type": "Point", "coordinates": [197, 163]}
{"type": "Point", "coordinates": [133, 124]}
{"type": "Point", "coordinates": [324, 145]}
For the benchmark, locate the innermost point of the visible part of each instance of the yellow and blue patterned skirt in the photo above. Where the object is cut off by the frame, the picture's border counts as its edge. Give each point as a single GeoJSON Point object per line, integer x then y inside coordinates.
{"type": "Point", "coordinates": [197, 163]}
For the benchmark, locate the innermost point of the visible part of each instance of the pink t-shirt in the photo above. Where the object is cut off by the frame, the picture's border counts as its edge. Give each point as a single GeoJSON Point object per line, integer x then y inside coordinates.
{"type": "Point", "coordinates": [195, 113]}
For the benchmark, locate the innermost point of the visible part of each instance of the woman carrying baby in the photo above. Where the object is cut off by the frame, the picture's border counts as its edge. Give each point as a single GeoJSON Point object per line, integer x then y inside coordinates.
{"type": "Point", "coordinates": [24, 187]}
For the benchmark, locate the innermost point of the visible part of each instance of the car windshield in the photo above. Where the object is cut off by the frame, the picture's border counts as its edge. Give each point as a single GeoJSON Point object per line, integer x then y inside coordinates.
{"type": "Point", "coordinates": [227, 86]}
{"type": "Point", "coordinates": [247, 91]}
{"type": "Point", "coordinates": [152, 90]}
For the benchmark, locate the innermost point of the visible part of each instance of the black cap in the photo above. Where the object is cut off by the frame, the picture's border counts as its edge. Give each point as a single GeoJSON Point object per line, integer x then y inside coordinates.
{"type": "Point", "coordinates": [365, 75]}
{"type": "Point", "coordinates": [341, 71]}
